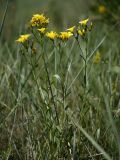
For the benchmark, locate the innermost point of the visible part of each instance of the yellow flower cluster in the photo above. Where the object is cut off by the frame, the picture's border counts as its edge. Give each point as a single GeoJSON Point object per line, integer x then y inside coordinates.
{"type": "Point", "coordinates": [23, 38]}
{"type": "Point", "coordinates": [64, 36]}
{"type": "Point", "coordinates": [84, 27]}
{"type": "Point", "coordinates": [39, 20]}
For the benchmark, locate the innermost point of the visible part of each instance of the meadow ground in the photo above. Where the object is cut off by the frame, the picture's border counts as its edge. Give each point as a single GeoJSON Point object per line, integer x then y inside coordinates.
{"type": "Point", "coordinates": [60, 81]}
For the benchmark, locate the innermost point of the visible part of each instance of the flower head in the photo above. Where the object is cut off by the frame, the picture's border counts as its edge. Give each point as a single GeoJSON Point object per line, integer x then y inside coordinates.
{"type": "Point", "coordinates": [42, 30]}
{"type": "Point", "coordinates": [23, 38]}
{"type": "Point", "coordinates": [39, 20]}
{"type": "Point", "coordinates": [52, 35]}
{"type": "Point", "coordinates": [65, 35]}
{"type": "Point", "coordinates": [102, 9]}
{"type": "Point", "coordinates": [71, 29]}
{"type": "Point", "coordinates": [97, 58]}
{"type": "Point", "coordinates": [84, 22]}
{"type": "Point", "coordinates": [81, 32]}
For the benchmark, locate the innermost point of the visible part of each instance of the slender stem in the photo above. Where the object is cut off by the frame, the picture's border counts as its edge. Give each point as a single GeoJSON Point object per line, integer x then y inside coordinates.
{"type": "Point", "coordinates": [84, 59]}
{"type": "Point", "coordinates": [4, 16]}
{"type": "Point", "coordinates": [81, 55]}
{"type": "Point", "coordinates": [49, 83]}
{"type": "Point", "coordinates": [48, 78]}
{"type": "Point", "coordinates": [33, 73]}
{"type": "Point", "coordinates": [56, 71]}
{"type": "Point", "coordinates": [30, 72]}
{"type": "Point", "coordinates": [86, 54]}
{"type": "Point", "coordinates": [55, 57]}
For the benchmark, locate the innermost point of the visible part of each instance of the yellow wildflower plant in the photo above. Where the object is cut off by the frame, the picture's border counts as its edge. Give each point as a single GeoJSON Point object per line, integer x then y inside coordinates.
{"type": "Point", "coordinates": [39, 20]}
{"type": "Point", "coordinates": [51, 35]}
{"type": "Point", "coordinates": [102, 9]}
{"type": "Point", "coordinates": [71, 29]}
{"type": "Point", "coordinates": [97, 58]}
{"type": "Point", "coordinates": [23, 38]}
{"type": "Point", "coordinates": [81, 32]}
{"type": "Point", "coordinates": [65, 35]}
{"type": "Point", "coordinates": [42, 30]}
{"type": "Point", "coordinates": [84, 22]}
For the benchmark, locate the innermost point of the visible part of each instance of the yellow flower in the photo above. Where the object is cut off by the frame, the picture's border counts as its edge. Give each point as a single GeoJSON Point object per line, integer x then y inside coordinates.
{"type": "Point", "coordinates": [42, 30]}
{"type": "Point", "coordinates": [23, 38]}
{"type": "Point", "coordinates": [65, 35]}
{"type": "Point", "coordinates": [84, 22]}
{"type": "Point", "coordinates": [71, 29]}
{"type": "Point", "coordinates": [39, 20]}
{"type": "Point", "coordinates": [102, 9]}
{"type": "Point", "coordinates": [52, 35]}
{"type": "Point", "coordinates": [97, 58]}
{"type": "Point", "coordinates": [81, 32]}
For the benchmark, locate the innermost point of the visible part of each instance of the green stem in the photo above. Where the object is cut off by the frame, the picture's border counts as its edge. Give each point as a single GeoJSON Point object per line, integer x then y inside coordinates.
{"type": "Point", "coordinates": [81, 55]}
{"type": "Point", "coordinates": [4, 16]}
{"type": "Point", "coordinates": [55, 57]}
{"type": "Point", "coordinates": [49, 83]}
{"type": "Point", "coordinates": [86, 54]}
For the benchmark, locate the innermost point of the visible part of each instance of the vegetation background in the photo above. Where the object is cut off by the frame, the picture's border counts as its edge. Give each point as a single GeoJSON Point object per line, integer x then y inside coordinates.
{"type": "Point", "coordinates": [89, 123]}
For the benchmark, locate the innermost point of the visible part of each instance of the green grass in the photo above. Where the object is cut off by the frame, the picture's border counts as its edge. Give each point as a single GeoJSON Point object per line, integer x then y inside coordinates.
{"type": "Point", "coordinates": [50, 110]}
